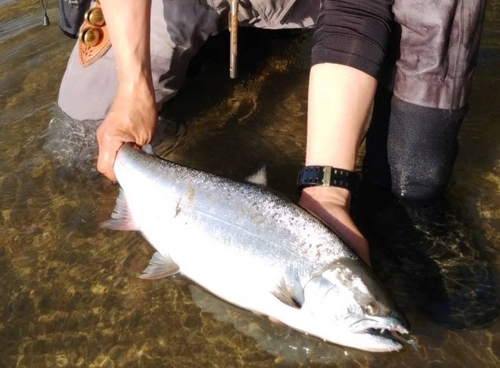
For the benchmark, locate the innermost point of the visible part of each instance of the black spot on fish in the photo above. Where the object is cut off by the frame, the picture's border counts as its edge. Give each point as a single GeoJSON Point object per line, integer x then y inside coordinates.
{"type": "Point", "coordinates": [177, 209]}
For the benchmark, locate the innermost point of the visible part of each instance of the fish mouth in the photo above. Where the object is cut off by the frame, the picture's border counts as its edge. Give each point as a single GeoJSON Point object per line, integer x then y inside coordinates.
{"type": "Point", "coordinates": [394, 329]}
{"type": "Point", "coordinates": [394, 335]}
{"type": "Point", "coordinates": [385, 331]}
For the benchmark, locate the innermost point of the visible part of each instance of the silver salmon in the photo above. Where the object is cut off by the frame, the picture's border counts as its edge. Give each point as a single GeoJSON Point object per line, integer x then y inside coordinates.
{"type": "Point", "coordinates": [255, 249]}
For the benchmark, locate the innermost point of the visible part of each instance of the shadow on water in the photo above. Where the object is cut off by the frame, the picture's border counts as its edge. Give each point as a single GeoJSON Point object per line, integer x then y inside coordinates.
{"type": "Point", "coordinates": [234, 126]}
{"type": "Point", "coordinates": [70, 292]}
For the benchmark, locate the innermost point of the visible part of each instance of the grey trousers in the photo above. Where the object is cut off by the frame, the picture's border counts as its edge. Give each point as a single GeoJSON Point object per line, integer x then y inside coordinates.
{"type": "Point", "coordinates": [178, 30]}
{"type": "Point", "coordinates": [435, 47]}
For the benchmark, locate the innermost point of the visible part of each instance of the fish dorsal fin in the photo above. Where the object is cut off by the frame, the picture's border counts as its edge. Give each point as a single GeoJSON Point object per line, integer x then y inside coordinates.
{"type": "Point", "coordinates": [290, 295]}
{"type": "Point", "coordinates": [147, 148]}
{"type": "Point", "coordinates": [259, 178]}
{"type": "Point", "coordinates": [159, 266]}
{"type": "Point", "coordinates": [121, 219]}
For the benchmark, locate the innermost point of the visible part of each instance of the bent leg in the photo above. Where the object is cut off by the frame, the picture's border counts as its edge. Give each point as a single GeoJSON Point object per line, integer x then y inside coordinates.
{"type": "Point", "coordinates": [435, 58]}
{"type": "Point", "coordinates": [438, 51]}
{"type": "Point", "coordinates": [411, 149]}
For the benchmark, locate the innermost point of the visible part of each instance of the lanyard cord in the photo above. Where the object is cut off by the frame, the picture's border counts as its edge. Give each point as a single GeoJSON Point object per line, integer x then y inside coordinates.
{"type": "Point", "coordinates": [44, 5]}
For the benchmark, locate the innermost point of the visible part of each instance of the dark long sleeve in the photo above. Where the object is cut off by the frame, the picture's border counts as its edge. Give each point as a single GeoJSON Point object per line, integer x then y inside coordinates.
{"type": "Point", "coordinates": [353, 33]}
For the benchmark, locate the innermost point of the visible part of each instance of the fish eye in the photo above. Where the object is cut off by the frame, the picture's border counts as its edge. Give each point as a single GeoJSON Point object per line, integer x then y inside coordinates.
{"type": "Point", "coordinates": [371, 308]}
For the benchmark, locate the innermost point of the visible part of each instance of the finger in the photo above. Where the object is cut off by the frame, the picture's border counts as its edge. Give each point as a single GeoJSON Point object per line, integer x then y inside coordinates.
{"type": "Point", "coordinates": [144, 137]}
{"type": "Point", "coordinates": [106, 158]}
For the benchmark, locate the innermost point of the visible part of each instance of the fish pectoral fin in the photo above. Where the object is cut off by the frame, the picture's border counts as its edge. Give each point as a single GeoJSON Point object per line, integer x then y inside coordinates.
{"type": "Point", "coordinates": [121, 219]}
{"type": "Point", "coordinates": [289, 295]}
{"type": "Point", "coordinates": [159, 266]}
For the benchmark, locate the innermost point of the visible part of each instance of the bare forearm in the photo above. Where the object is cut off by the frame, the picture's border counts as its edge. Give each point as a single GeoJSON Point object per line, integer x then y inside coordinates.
{"type": "Point", "coordinates": [128, 22]}
{"type": "Point", "coordinates": [340, 98]}
{"type": "Point", "coordinates": [133, 116]}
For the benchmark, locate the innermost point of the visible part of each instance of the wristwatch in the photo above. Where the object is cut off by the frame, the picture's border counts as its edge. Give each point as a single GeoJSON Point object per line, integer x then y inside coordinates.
{"type": "Point", "coordinates": [326, 176]}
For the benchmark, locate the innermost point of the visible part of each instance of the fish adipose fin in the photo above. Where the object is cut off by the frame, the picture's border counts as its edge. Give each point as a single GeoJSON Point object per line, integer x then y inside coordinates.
{"type": "Point", "coordinates": [159, 266]}
{"type": "Point", "coordinates": [289, 295]}
{"type": "Point", "coordinates": [121, 219]}
{"type": "Point", "coordinates": [259, 178]}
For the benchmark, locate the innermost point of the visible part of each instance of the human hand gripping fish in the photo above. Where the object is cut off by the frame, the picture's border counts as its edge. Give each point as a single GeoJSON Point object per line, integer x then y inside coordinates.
{"type": "Point", "coordinates": [331, 205]}
{"type": "Point", "coordinates": [132, 118]}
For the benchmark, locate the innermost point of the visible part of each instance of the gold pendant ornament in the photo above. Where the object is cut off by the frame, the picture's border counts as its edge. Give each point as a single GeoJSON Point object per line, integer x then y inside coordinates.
{"type": "Point", "coordinates": [93, 39]}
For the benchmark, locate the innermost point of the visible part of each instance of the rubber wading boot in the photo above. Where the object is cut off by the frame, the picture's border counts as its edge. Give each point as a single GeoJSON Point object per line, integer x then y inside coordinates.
{"type": "Point", "coordinates": [401, 209]}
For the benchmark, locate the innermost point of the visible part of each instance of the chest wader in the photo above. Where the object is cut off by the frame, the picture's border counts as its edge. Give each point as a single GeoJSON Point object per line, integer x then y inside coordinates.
{"type": "Point", "coordinates": [411, 148]}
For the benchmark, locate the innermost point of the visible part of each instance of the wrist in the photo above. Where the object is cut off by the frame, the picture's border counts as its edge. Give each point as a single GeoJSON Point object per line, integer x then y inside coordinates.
{"type": "Point", "coordinates": [326, 176]}
{"type": "Point", "coordinates": [136, 91]}
{"type": "Point", "coordinates": [140, 80]}
{"type": "Point", "coordinates": [322, 200]}
{"type": "Point", "coordinates": [336, 195]}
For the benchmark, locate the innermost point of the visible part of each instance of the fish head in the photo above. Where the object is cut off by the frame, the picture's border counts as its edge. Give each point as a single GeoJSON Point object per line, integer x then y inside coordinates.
{"type": "Point", "coordinates": [350, 307]}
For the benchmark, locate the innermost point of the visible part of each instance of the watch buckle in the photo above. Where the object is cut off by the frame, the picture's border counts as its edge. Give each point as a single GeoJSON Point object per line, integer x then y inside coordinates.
{"type": "Point", "coordinates": [327, 175]}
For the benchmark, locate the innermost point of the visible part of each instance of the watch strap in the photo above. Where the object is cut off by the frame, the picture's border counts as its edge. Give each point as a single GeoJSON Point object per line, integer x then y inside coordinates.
{"type": "Point", "coordinates": [326, 176]}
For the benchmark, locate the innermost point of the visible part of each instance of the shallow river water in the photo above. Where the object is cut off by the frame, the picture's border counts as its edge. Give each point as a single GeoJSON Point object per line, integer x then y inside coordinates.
{"type": "Point", "coordinates": [70, 295]}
